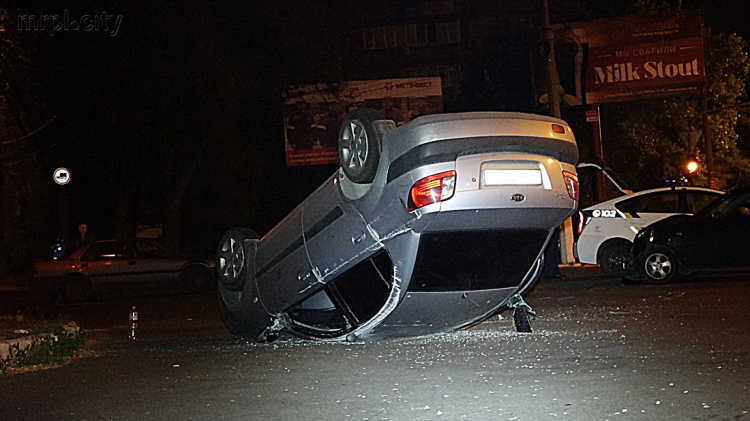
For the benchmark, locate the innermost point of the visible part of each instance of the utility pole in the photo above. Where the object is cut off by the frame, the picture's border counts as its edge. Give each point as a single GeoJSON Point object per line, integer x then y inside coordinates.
{"type": "Point", "coordinates": [593, 118]}
{"type": "Point", "coordinates": [553, 78]}
{"type": "Point", "coordinates": [553, 81]}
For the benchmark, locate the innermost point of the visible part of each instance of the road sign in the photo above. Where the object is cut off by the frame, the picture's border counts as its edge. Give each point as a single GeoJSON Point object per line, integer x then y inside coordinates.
{"type": "Point", "coordinates": [62, 176]}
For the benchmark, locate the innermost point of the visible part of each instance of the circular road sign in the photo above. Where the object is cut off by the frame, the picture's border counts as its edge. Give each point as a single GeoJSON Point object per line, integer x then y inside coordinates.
{"type": "Point", "coordinates": [62, 176]}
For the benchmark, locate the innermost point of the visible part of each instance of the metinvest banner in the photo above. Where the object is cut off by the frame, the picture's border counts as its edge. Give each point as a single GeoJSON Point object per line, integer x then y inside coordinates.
{"type": "Point", "coordinates": [638, 57]}
{"type": "Point", "coordinates": [313, 113]}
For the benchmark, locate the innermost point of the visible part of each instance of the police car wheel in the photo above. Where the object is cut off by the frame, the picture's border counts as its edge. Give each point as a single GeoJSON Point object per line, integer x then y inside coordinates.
{"type": "Point", "coordinates": [615, 258]}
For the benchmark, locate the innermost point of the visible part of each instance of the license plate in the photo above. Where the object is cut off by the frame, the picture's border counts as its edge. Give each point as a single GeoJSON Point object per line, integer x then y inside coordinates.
{"type": "Point", "coordinates": [512, 177]}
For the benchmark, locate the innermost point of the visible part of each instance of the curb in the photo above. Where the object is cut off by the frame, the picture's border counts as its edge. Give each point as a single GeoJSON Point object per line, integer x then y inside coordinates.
{"type": "Point", "coordinates": [23, 342]}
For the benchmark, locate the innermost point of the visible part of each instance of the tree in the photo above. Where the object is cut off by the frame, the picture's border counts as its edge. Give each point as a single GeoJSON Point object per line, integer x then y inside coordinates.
{"type": "Point", "coordinates": [23, 118]}
{"type": "Point", "coordinates": [647, 144]}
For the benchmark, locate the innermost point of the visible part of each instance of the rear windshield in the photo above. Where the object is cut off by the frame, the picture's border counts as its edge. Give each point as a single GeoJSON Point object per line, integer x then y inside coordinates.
{"type": "Point", "coordinates": [475, 260]}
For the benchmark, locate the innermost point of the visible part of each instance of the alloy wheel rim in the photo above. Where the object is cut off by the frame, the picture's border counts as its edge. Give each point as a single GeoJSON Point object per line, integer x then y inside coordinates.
{"type": "Point", "coordinates": [355, 146]}
{"type": "Point", "coordinates": [231, 258]}
{"type": "Point", "coordinates": [658, 266]}
{"type": "Point", "coordinates": [616, 262]}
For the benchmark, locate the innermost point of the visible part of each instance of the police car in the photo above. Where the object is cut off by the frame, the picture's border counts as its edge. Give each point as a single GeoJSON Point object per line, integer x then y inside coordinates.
{"type": "Point", "coordinates": [610, 227]}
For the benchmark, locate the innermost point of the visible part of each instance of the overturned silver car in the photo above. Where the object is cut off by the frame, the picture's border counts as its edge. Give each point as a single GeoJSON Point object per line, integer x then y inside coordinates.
{"type": "Point", "coordinates": [428, 227]}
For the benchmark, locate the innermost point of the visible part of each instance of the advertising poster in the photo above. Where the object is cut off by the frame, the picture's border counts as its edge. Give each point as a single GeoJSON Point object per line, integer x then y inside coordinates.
{"type": "Point", "coordinates": [643, 57]}
{"type": "Point", "coordinates": [313, 113]}
{"type": "Point", "coordinates": [627, 58]}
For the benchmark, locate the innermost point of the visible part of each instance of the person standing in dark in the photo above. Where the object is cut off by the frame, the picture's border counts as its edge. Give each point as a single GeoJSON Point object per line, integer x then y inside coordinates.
{"type": "Point", "coordinates": [332, 122]}
{"type": "Point", "coordinates": [551, 268]}
{"type": "Point", "coordinates": [82, 236]}
{"type": "Point", "coordinates": [299, 127]}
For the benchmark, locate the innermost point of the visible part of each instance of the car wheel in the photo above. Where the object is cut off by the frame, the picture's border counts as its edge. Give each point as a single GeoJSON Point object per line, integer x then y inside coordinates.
{"type": "Point", "coordinates": [75, 290]}
{"type": "Point", "coordinates": [359, 145]}
{"type": "Point", "coordinates": [660, 265]}
{"type": "Point", "coordinates": [196, 279]}
{"type": "Point", "coordinates": [615, 259]}
{"type": "Point", "coordinates": [231, 258]}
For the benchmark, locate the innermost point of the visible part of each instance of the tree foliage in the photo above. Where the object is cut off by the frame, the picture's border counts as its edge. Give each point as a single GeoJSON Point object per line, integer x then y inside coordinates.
{"type": "Point", "coordinates": [23, 118]}
{"type": "Point", "coordinates": [648, 142]}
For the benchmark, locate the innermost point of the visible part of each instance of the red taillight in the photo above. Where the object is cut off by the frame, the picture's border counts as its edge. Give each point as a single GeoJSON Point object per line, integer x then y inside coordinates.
{"type": "Point", "coordinates": [571, 182]}
{"type": "Point", "coordinates": [556, 128]}
{"type": "Point", "coordinates": [432, 189]}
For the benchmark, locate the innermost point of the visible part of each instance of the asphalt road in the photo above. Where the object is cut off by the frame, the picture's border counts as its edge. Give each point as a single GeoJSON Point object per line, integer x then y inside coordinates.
{"type": "Point", "coordinates": [599, 351]}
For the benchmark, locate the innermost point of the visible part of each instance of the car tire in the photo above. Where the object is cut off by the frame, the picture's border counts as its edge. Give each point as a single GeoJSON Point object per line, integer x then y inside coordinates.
{"type": "Point", "coordinates": [615, 259]}
{"type": "Point", "coordinates": [231, 258]}
{"type": "Point", "coordinates": [359, 145]}
{"type": "Point", "coordinates": [196, 278]}
{"type": "Point", "coordinates": [660, 265]}
{"type": "Point", "coordinates": [75, 289]}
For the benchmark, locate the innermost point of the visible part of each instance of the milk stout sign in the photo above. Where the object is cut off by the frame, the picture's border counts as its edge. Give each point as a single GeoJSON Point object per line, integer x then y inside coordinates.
{"type": "Point", "coordinates": [637, 57]}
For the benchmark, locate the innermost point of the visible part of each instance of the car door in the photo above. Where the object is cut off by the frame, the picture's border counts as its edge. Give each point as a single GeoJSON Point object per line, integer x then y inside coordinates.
{"type": "Point", "coordinates": [106, 264]}
{"type": "Point", "coordinates": [734, 236]}
{"type": "Point", "coordinates": [720, 240]}
{"type": "Point", "coordinates": [283, 273]}
{"type": "Point", "coordinates": [644, 210]}
{"type": "Point", "coordinates": [336, 235]}
{"type": "Point", "coordinates": [155, 265]}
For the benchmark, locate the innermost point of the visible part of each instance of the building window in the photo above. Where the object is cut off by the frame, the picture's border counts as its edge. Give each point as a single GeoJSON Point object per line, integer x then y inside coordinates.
{"type": "Point", "coordinates": [374, 38]}
{"type": "Point", "coordinates": [411, 35]}
{"type": "Point", "coordinates": [390, 33]}
{"type": "Point", "coordinates": [405, 36]}
{"type": "Point", "coordinates": [448, 32]}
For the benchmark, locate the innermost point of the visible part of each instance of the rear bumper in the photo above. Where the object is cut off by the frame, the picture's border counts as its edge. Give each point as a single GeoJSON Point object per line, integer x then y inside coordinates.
{"type": "Point", "coordinates": [586, 248]}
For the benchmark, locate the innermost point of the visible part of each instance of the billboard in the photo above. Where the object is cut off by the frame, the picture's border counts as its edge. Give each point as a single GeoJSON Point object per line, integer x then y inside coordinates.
{"type": "Point", "coordinates": [637, 57]}
{"type": "Point", "coordinates": [313, 113]}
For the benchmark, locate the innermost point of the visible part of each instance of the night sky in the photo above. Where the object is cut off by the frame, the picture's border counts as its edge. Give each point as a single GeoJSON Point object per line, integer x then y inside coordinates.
{"type": "Point", "coordinates": [187, 83]}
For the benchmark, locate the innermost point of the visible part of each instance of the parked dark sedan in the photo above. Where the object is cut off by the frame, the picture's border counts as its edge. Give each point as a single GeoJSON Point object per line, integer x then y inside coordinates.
{"type": "Point", "coordinates": [717, 237]}
{"type": "Point", "coordinates": [125, 264]}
